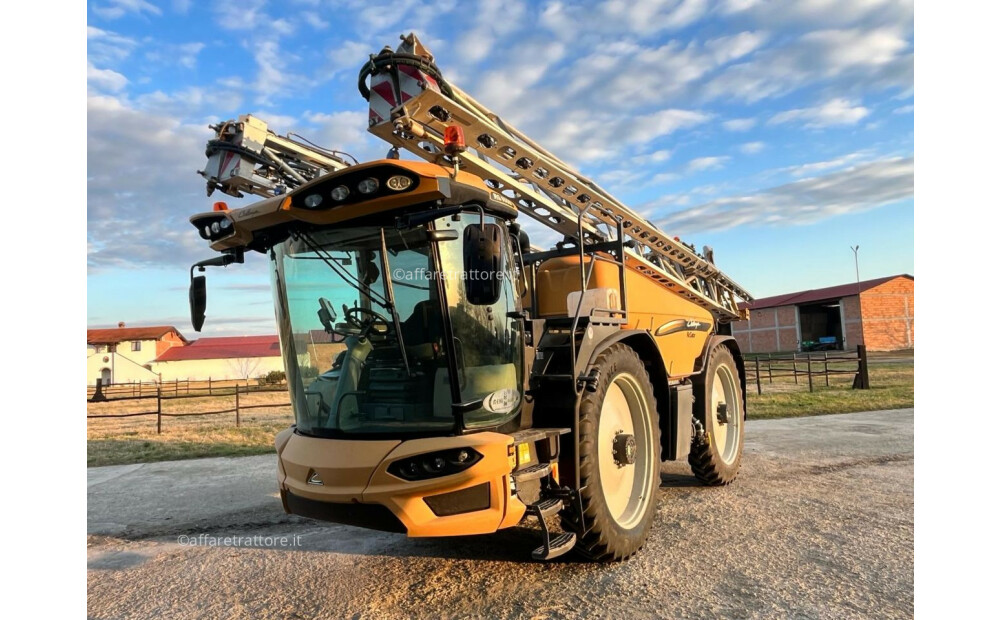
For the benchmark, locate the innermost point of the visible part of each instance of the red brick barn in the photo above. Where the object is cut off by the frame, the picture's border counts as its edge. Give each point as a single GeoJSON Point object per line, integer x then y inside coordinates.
{"type": "Point", "coordinates": [829, 318]}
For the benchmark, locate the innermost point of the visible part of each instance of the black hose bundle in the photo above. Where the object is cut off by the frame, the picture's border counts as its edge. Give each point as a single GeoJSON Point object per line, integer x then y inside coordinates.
{"type": "Point", "coordinates": [387, 59]}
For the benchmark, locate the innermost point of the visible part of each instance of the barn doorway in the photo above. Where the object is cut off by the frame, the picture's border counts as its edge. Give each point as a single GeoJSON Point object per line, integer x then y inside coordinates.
{"type": "Point", "coordinates": [105, 376]}
{"type": "Point", "coordinates": [821, 327]}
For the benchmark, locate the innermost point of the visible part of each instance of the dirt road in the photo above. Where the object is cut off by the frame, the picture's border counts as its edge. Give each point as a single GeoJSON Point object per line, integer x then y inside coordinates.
{"type": "Point", "coordinates": [818, 525]}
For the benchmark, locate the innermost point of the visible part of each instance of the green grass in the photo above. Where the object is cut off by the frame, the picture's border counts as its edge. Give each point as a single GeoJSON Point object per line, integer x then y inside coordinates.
{"type": "Point", "coordinates": [891, 388]}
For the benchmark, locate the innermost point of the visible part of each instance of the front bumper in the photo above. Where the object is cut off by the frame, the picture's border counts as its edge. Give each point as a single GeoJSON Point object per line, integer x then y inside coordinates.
{"type": "Point", "coordinates": [351, 484]}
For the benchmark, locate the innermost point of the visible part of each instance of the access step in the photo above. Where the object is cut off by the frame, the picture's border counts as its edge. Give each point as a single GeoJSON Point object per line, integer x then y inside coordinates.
{"type": "Point", "coordinates": [545, 508]}
{"type": "Point", "coordinates": [560, 545]}
{"type": "Point", "coordinates": [533, 472]}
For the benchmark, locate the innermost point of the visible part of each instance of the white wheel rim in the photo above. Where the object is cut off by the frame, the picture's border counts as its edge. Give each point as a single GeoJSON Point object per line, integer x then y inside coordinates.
{"type": "Point", "coordinates": [627, 488]}
{"type": "Point", "coordinates": [725, 433]}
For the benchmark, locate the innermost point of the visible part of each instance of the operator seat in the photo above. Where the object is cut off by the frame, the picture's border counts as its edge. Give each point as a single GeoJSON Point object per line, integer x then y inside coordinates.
{"type": "Point", "coordinates": [350, 376]}
{"type": "Point", "coordinates": [423, 327]}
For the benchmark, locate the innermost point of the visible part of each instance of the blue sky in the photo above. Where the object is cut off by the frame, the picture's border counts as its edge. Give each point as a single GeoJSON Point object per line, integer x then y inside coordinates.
{"type": "Point", "coordinates": [780, 133]}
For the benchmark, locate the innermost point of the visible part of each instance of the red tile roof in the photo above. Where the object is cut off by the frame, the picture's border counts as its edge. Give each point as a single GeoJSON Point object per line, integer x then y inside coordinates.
{"type": "Point", "coordinates": [819, 294]}
{"type": "Point", "coordinates": [224, 348]}
{"type": "Point", "coordinates": [121, 334]}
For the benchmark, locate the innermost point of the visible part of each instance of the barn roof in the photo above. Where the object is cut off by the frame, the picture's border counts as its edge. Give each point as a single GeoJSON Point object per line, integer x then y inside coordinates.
{"type": "Point", "coordinates": [819, 294]}
{"type": "Point", "coordinates": [115, 335]}
{"type": "Point", "coordinates": [224, 348]}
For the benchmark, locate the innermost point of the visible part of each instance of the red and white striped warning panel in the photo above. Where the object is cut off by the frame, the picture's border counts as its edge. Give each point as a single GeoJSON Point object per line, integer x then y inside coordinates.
{"type": "Point", "coordinates": [383, 100]}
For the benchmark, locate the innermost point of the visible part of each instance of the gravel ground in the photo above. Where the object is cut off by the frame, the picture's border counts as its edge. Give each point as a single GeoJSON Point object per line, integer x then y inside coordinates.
{"type": "Point", "coordinates": [818, 525]}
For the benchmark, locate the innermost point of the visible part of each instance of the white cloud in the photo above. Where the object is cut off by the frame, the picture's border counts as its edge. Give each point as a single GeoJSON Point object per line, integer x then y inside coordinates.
{"type": "Point", "coordinates": [852, 190]}
{"type": "Point", "coordinates": [313, 19]}
{"type": "Point", "coordinates": [843, 161]}
{"type": "Point", "coordinates": [119, 8]}
{"type": "Point", "coordinates": [750, 148]}
{"type": "Point", "coordinates": [181, 54]}
{"type": "Point", "coordinates": [141, 186]}
{"type": "Point", "coordinates": [190, 102]}
{"type": "Point", "coordinates": [740, 124]}
{"type": "Point", "coordinates": [855, 59]}
{"type": "Point", "coordinates": [906, 109]}
{"type": "Point", "coordinates": [273, 72]}
{"type": "Point", "coordinates": [566, 20]}
{"type": "Point", "coordinates": [343, 131]}
{"type": "Point", "coordinates": [106, 48]}
{"type": "Point", "coordinates": [245, 15]}
{"type": "Point", "coordinates": [834, 112]}
{"type": "Point", "coordinates": [700, 164]}
{"type": "Point", "coordinates": [105, 79]}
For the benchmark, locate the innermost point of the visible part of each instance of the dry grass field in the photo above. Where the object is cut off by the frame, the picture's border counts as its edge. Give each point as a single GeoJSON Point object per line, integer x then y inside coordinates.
{"type": "Point", "coordinates": [112, 441]}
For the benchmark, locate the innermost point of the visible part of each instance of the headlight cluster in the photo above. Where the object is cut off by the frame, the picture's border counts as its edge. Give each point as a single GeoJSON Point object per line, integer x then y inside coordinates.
{"type": "Point", "coordinates": [353, 190]}
{"type": "Point", "coordinates": [435, 464]}
{"type": "Point", "coordinates": [216, 229]}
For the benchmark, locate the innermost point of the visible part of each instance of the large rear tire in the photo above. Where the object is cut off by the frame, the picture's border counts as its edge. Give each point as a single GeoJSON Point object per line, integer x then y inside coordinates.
{"type": "Point", "coordinates": [619, 458]}
{"type": "Point", "coordinates": [718, 405]}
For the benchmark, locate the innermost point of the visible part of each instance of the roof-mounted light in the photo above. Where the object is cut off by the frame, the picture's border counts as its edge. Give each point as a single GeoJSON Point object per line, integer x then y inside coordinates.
{"type": "Point", "coordinates": [399, 183]}
{"type": "Point", "coordinates": [454, 139]}
{"type": "Point", "coordinates": [340, 193]}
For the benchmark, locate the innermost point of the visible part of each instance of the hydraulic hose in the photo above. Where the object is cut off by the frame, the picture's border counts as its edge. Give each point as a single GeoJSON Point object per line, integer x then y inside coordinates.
{"type": "Point", "coordinates": [387, 59]}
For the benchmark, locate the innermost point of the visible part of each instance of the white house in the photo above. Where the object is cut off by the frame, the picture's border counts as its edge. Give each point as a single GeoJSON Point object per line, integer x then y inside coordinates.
{"type": "Point", "coordinates": [124, 354]}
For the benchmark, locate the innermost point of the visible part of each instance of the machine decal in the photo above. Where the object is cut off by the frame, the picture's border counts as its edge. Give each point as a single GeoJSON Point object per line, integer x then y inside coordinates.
{"type": "Point", "coordinates": [501, 401]}
{"type": "Point", "coordinates": [683, 325]}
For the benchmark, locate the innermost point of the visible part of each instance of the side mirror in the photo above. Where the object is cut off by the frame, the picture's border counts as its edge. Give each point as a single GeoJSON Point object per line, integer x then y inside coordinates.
{"type": "Point", "coordinates": [198, 299]}
{"type": "Point", "coordinates": [196, 294]}
{"type": "Point", "coordinates": [483, 253]}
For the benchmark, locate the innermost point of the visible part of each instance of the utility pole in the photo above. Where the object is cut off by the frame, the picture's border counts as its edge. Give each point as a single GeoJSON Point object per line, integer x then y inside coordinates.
{"type": "Point", "coordinates": [861, 380]}
{"type": "Point", "coordinates": [857, 277]}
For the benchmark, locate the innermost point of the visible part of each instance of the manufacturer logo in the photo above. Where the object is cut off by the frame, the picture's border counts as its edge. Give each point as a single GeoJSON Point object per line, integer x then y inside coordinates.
{"type": "Point", "coordinates": [502, 401]}
{"type": "Point", "coordinates": [682, 325]}
{"type": "Point", "coordinates": [501, 199]}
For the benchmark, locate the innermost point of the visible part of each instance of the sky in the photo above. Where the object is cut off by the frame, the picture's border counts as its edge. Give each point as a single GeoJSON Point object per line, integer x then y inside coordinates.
{"type": "Point", "coordinates": [780, 133]}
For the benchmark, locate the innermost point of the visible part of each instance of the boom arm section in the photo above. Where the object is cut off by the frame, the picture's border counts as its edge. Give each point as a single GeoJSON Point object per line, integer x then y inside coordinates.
{"type": "Point", "coordinates": [245, 156]}
{"type": "Point", "coordinates": [411, 105]}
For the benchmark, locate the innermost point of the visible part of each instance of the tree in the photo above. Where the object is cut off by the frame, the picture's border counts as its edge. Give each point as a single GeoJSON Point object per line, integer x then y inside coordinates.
{"type": "Point", "coordinates": [244, 367]}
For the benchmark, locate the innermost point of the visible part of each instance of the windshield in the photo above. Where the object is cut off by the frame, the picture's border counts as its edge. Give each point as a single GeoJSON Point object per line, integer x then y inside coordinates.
{"type": "Point", "coordinates": [367, 354]}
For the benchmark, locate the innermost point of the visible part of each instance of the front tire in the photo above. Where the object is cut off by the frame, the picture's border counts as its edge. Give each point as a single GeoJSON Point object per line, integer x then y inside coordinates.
{"type": "Point", "coordinates": [719, 407]}
{"type": "Point", "coordinates": [619, 457]}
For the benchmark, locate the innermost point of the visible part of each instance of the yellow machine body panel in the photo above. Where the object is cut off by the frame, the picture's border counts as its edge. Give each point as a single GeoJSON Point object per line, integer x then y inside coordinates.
{"type": "Point", "coordinates": [348, 471]}
{"type": "Point", "coordinates": [679, 327]}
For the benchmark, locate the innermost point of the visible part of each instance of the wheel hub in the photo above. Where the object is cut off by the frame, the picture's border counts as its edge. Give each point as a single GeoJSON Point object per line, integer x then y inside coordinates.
{"type": "Point", "coordinates": [624, 449]}
{"type": "Point", "coordinates": [721, 413]}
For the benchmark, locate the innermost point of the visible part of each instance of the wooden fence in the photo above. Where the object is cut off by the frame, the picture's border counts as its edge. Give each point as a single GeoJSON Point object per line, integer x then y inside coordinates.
{"type": "Point", "coordinates": [811, 367]}
{"type": "Point", "coordinates": [173, 391]}
{"type": "Point", "coordinates": [178, 387]}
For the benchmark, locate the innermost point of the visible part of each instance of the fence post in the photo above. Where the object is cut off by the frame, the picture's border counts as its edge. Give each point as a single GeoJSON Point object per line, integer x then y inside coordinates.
{"type": "Point", "coordinates": [176, 384]}
{"type": "Point", "coordinates": [757, 374]}
{"type": "Point", "coordinates": [237, 406]}
{"type": "Point", "coordinates": [809, 371]}
{"type": "Point", "coordinates": [770, 379]}
{"type": "Point", "coordinates": [826, 367]}
{"type": "Point", "coordinates": [861, 379]}
{"type": "Point", "coordinates": [159, 410]}
{"type": "Point", "coordinates": [795, 367]}
{"type": "Point", "coordinates": [210, 386]}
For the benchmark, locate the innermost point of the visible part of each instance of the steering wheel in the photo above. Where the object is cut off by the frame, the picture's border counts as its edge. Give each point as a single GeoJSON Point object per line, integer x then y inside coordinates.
{"type": "Point", "coordinates": [367, 323]}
